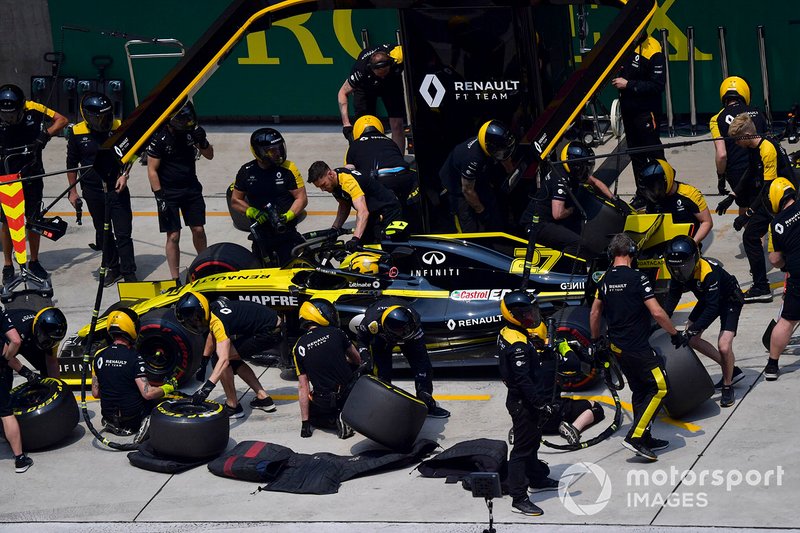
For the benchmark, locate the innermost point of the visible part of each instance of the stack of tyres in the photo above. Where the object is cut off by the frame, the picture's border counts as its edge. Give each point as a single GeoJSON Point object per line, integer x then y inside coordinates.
{"type": "Point", "coordinates": [384, 413]}
{"type": "Point", "coordinates": [689, 383]}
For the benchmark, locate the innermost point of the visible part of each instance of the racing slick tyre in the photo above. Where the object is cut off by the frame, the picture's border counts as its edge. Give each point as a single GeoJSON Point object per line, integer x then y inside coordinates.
{"type": "Point", "coordinates": [46, 411]}
{"type": "Point", "coordinates": [219, 258]}
{"type": "Point", "coordinates": [180, 429]}
{"type": "Point", "coordinates": [240, 221]}
{"type": "Point", "coordinates": [167, 347]}
{"type": "Point", "coordinates": [572, 324]}
{"type": "Point", "coordinates": [386, 414]}
{"type": "Point", "coordinates": [688, 382]}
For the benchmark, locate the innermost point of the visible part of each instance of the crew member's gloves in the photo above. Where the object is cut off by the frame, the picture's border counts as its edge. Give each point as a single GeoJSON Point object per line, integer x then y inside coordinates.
{"type": "Point", "coordinates": [347, 131]}
{"type": "Point", "coordinates": [307, 429]}
{"type": "Point", "coordinates": [202, 393]}
{"type": "Point", "coordinates": [621, 205]}
{"type": "Point", "coordinates": [725, 204]}
{"type": "Point", "coordinates": [170, 385]}
{"type": "Point", "coordinates": [256, 214]}
{"type": "Point", "coordinates": [679, 340]}
{"type": "Point", "coordinates": [42, 139]}
{"type": "Point", "coordinates": [740, 221]}
{"type": "Point", "coordinates": [288, 216]}
{"type": "Point", "coordinates": [548, 410]}
{"type": "Point", "coordinates": [598, 345]}
{"type": "Point", "coordinates": [366, 361]}
{"type": "Point", "coordinates": [199, 137]}
{"type": "Point", "coordinates": [353, 244]}
{"type": "Point", "coordinates": [721, 184]}
{"type": "Point", "coordinates": [200, 375]}
{"type": "Point", "coordinates": [483, 217]}
{"type": "Point", "coordinates": [333, 234]}
{"type": "Point", "coordinates": [161, 200]}
{"type": "Point", "coordinates": [30, 375]}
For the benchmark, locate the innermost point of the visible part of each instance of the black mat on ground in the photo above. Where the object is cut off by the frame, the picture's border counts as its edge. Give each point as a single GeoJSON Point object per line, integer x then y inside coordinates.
{"type": "Point", "coordinates": [463, 458]}
{"type": "Point", "coordinates": [147, 459]}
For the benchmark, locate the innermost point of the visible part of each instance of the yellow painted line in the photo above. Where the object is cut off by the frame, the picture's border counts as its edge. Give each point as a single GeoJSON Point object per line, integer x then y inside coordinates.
{"type": "Point", "coordinates": [694, 428]}
{"type": "Point", "coordinates": [208, 213]}
{"type": "Point", "coordinates": [446, 397]}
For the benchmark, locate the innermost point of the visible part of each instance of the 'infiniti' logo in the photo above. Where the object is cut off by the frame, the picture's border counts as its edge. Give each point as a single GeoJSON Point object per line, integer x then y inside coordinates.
{"type": "Point", "coordinates": [433, 99]}
{"type": "Point", "coordinates": [433, 258]}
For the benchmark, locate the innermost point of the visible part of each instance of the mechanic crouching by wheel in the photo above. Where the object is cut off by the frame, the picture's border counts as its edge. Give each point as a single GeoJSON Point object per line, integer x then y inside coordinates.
{"type": "Point", "coordinates": [271, 181]}
{"type": "Point", "coordinates": [324, 359]}
{"type": "Point", "coordinates": [376, 206]}
{"type": "Point", "coordinates": [627, 301]}
{"type": "Point", "coordinates": [8, 365]}
{"type": "Point", "coordinates": [40, 332]}
{"type": "Point", "coordinates": [119, 379]}
{"type": "Point", "coordinates": [518, 344]}
{"type": "Point", "coordinates": [234, 329]}
{"type": "Point", "coordinates": [387, 323]}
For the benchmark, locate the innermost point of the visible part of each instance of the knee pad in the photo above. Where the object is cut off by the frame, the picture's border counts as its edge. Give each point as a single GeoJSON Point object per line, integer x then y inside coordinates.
{"type": "Point", "coordinates": [598, 412]}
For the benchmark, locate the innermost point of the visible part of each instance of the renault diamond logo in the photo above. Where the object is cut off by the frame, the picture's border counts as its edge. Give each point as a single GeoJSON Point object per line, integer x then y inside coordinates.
{"type": "Point", "coordinates": [451, 324]}
{"type": "Point", "coordinates": [435, 99]}
{"type": "Point", "coordinates": [433, 258]}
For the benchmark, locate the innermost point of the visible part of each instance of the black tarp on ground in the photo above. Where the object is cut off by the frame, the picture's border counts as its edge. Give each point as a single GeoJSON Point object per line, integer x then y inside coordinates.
{"type": "Point", "coordinates": [463, 458]}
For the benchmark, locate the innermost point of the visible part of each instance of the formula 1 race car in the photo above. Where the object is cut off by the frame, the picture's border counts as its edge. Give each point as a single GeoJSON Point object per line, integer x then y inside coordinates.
{"type": "Point", "coordinates": [454, 281]}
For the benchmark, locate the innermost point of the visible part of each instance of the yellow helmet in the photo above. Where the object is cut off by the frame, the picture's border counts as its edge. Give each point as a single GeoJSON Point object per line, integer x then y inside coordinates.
{"type": "Point", "coordinates": [123, 323]}
{"type": "Point", "coordinates": [521, 309]}
{"type": "Point", "coordinates": [363, 125]}
{"type": "Point", "coordinates": [780, 190]}
{"type": "Point", "coordinates": [656, 180]}
{"type": "Point", "coordinates": [734, 86]}
{"type": "Point", "coordinates": [318, 311]}
{"type": "Point", "coordinates": [364, 263]}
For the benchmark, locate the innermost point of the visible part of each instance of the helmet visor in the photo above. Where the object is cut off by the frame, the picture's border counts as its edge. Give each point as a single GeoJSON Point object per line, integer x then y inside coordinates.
{"type": "Point", "coordinates": [528, 315]}
{"type": "Point", "coordinates": [275, 154]}
{"type": "Point", "coordinates": [46, 341]}
{"type": "Point", "coordinates": [680, 269]}
{"type": "Point", "coordinates": [654, 191]}
{"type": "Point", "coordinates": [12, 116]}
{"type": "Point", "coordinates": [99, 120]}
{"type": "Point", "coordinates": [184, 120]}
{"type": "Point", "coordinates": [504, 150]}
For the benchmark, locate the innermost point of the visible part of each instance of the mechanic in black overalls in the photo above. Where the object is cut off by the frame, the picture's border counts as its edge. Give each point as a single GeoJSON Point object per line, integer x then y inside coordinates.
{"type": "Point", "coordinates": [518, 346]}
{"type": "Point", "coordinates": [552, 218]}
{"type": "Point", "coordinates": [234, 330]}
{"type": "Point", "coordinates": [390, 322]}
{"type": "Point", "coordinates": [83, 141]}
{"type": "Point", "coordinates": [374, 154]}
{"type": "Point", "coordinates": [270, 178]}
{"type": "Point", "coordinates": [466, 174]}
{"type": "Point", "coordinates": [324, 359]}
{"type": "Point", "coordinates": [718, 295]}
{"type": "Point", "coordinates": [40, 332]}
{"type": "Point", "coordinates": [23, 123]}
{"type": "Point", "coordinates": [731, 160]}
{"type": "Point", "coordinates": [625, 298]}
{"type": "Point", "coordinates": [377, 72]}
{"type": "Point", "coordinates": [120, 381]}
{"type": "Point", "coordinates": [664, 194]}
{"type": "Point", "coordinates": [640, 83]}
{"type": "Point", "coordinates": [376, 206]}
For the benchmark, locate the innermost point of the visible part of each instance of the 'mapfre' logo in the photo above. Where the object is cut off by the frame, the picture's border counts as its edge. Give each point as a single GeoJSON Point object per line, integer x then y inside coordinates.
{"type": "Point", "coordinates": [432, 98]}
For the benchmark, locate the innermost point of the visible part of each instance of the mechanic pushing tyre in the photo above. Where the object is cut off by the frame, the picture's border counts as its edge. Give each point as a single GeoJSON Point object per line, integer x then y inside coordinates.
{"type": "Point", "coordinates": [689, 382]}
{"type": "Point", "coordinates": [180, 429]}
{"type": "Point", "coordinates": [572, 324]}
{"type": "Point", "coordinates": [221, 258]}
{"type": "Point", "coordinates": [168, 348]}
{"type": "Point", "coordinates": [46, 411]}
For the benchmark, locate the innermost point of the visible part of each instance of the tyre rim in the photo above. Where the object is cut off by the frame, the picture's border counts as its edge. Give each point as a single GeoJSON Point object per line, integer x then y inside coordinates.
{"type": "Point", "coordinates": [580, 379]}
{"type": "Point", "coordinates": [209, 268]}
{"type": "Point", "coordinates": [29, 395]}
{"type": "Point", "coordinates": [163, 354]}
{"type": "Point", "coordinates": [187, 409]}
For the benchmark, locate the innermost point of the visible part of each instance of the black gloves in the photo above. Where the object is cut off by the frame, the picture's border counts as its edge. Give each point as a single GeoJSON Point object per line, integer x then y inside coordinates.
{"type": "Point", "coordinates": [347, 131]}
{"type": "Point", "coordinates": [353, 244]}
{"type": "Point", "coordinates": [199, 137]}
{"type": "Point", "coordinates": [679, 339]}
{"type": "Point", "coordinates": [161, 200]}
{"type": "Point", "coordinates": [483, 217]}
{"type": "Point", "coordinates": [200, 375]}
{"type": "Point", "coordinates": [548, 410]}
{"type": "Point", "coordinates": [30, 375]}
{"type": "Point", "coordinates": [333, 234]}
{"type": "Point", "coordinates": [42, 139]}
{"type": "Point", "coordinates": [725, 204]}
{"type": "Point", "coordinates": [721, 184]}
{"type": "Point", "coordinates": [202, 393]}
{"type": "Point", "coordinates": [306, 430]}
{"type": "Point", "coordinates": [740, 221]}
{"type": "Point", "coordinates": [598, 345]}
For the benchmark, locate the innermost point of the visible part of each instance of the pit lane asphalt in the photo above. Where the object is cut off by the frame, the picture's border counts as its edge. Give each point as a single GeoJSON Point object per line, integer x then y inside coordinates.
{"type": "Point", "coordinates": [79, 484]}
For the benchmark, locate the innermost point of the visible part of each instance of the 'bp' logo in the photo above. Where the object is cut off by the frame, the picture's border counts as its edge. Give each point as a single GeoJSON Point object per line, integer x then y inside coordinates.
{"type": "Point", "coordinates": [432, 98]}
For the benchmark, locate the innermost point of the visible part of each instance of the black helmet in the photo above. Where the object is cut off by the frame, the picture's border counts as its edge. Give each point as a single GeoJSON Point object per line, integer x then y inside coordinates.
{"type": "Point", "coordinates": [400, 322]}
{"type": "Point", "coordinates": [580, 171]}
{"type": "Point", "coordinates": [185, 119]}
{"type": "Point", "coordinates": [656, 180]}
{"type": "Point", "coordinates": [320, 312]}
{"type": "Point", "coordinates": [123, 322]}
{"type": "Point", "coordinates": [193, 312]}
{"type": "Point", "coordinates": [49, 327]}
{"type": "Point", "coordinates": [520, 308]}
{"type": "Point", "coordinates": [12, 104]}
{"type": "Point", "coordinates": [496, 140]}
{"type": "Point", "coordinates": [681, 257]}
{"type": "Point", "coordinates": [268, 146]}
{"type": "Point", "coordinates": [97, 111]}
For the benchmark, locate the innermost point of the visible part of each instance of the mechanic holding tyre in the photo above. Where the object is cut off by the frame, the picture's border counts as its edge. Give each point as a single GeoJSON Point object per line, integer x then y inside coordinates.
{"type": "Point", "coordinates": [40, 332]}
{"type": "Point", "coordinates": [626, 300]}
{"type": "Point", "coordinates": [518, 346]}
{"type": "Point", "coordinates": [467, 176]}
{"type": "Point", "coordinates": [324, 359]}
{"type": "Point", "coordinates": [83, 141]}
{"type": "Point", "coordinates": [8, 365]}
{"type": "Point", "coordinates": [270, 181]}
{"type": "Point", "coordinates": [376, 206]}
{"type": "Point", "coordinates": [120, 382]}
{"type": "Point", "coordinates": [234, 330]}
{"type": "Point", "coordinates": [23, 124]}
{"type": "Point", "coordinates": [172, 171]}
{"type": "Point", "coordinates": [390, 322]}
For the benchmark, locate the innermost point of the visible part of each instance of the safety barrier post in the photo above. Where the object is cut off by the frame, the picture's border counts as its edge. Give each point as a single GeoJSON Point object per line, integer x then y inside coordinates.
{"type": "Point", "coordinates": [692, 102]}
{"type": "Point", "coordinates": [723, 51]}
{"type": "Point", "coordinates": [668, 89]}
{"type": "Point", "coordinates": [762, 56]}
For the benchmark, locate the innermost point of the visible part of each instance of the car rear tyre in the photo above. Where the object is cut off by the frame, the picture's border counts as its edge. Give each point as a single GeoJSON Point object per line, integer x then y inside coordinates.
{"type": "Point", "coordinates": [46, 411]}
{"type": "Point", "coordinates": [220, 258]}
{"type": "Point", "coordinates": [167, 347]}
{"type": "Point", "coordinates": [572, 323]}
{"type": "Point", "coordinates": [180, 429]}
